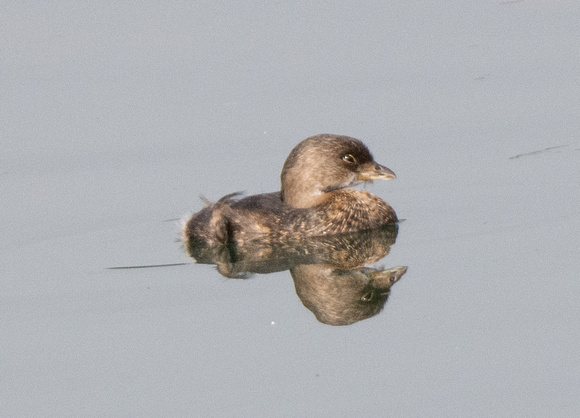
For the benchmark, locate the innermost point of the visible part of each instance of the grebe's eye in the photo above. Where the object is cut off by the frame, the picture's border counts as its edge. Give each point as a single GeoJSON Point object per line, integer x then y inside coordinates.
{"type": "Point", "coordinates": [368, 296]}
{"type": "Point", "coordinates": [349, 158]}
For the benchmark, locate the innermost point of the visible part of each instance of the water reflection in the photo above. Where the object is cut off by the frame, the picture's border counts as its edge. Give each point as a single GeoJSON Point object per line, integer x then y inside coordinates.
{"type": "Point", "coordinates": [329, 272]}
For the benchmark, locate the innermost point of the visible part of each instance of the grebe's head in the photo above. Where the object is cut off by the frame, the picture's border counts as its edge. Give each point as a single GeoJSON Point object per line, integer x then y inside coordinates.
{"type": "Point", "coordinates": [323, 163]}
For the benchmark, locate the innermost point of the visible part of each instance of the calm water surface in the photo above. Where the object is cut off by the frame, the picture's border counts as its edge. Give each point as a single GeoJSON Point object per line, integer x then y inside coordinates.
{"type": "Point", "coordinates": [115, 119]}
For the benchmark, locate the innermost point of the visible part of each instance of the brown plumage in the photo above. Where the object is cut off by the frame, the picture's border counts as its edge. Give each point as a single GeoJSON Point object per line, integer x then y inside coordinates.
{"type": "Point", "coordinates": [313, 200]}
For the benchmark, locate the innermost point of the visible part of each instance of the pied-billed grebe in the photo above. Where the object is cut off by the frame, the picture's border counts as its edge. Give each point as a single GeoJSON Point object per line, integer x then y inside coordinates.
{"type": "Point", "coordinates": [313, 200]}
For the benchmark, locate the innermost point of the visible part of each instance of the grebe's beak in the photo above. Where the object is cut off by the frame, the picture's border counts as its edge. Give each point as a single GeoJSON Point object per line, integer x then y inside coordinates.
{"type": "Point", "coordinates": [373, 171]}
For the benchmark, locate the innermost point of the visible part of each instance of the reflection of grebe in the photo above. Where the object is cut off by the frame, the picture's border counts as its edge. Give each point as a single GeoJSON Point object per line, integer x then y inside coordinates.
{"type": "Point", "coordinates": [329, 271]}
{"type": "Point", "coordinates": [313, 200]}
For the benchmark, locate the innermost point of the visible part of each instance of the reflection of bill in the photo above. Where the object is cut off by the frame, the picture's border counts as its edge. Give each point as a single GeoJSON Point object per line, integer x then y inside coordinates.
{"type": "Point", "coordinates": [329, 272]}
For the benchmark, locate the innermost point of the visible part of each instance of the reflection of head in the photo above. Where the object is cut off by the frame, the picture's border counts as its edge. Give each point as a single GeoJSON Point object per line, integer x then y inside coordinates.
{"type": "Point", "coordinates": [342, 297]}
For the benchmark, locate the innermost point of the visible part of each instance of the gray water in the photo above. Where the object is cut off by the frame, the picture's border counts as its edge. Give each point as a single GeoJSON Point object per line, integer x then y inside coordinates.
{"type": "Point", "coordinates": [115, 119]}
